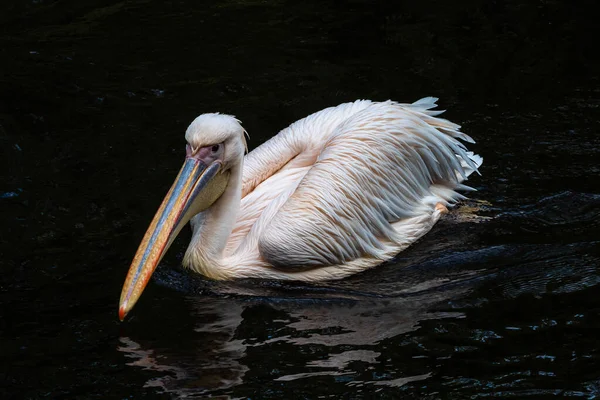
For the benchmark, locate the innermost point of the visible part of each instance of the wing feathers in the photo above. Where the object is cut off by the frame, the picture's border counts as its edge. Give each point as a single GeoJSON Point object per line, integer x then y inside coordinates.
{"type": "Point", "coordinates": [379, 164]}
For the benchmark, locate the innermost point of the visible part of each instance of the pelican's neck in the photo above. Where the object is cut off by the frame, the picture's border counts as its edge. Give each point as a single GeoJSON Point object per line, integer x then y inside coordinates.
{"type": "Point", "coordinates": [212, 228]}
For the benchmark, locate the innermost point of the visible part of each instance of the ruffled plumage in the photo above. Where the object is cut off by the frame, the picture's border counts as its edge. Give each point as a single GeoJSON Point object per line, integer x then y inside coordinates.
{"type": "Point", "coordinates": [340, 191]}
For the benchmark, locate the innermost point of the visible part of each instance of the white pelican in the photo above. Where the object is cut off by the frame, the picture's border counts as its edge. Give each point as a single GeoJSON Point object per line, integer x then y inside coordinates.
{"type": "Point", "coordinates": [335, 193]}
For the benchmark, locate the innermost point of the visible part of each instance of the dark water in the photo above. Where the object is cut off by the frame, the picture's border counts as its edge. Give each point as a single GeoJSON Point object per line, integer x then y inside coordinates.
{"type": "Point", "coordinates": [499, 300]}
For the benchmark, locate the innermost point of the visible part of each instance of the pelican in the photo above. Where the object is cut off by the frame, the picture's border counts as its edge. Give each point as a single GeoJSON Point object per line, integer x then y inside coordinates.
{"type": "Point", "coordinates": [335, 193]}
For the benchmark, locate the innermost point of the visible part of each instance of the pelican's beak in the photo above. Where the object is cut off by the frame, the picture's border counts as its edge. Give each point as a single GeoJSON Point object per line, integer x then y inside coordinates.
{"type": "Point", "coordinates": [196, 188]}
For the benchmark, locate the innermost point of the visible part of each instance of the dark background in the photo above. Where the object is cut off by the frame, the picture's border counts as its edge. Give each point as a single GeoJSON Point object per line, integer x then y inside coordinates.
{"type": "Point", "coordinates": [95, 97]}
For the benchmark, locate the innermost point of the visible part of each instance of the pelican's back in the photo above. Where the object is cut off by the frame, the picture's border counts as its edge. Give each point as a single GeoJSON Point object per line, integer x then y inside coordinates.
{"type": "Point", "coordinates": [349, 187]}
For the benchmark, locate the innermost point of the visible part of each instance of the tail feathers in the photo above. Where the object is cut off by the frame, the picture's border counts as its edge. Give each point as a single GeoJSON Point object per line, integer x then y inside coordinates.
{"type": "Point", "coordinates": [425, 106]}
{"type": "Point", "coordinates": [444, 194]}
{"type": "Point", "coordinates": [462, 136]}
{"type": "Point", "coordinates": [425, 103]}
{"type": "Point", "coordinates": [476, 159]}
{"type": "Point", "coordinates": [472, 161]}
{"type": "Point", "coordinates": [469, 166]}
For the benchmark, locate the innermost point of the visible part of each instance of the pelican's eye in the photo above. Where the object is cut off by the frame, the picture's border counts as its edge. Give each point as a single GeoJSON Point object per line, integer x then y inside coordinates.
{"type": "Point", "coordinates": [215, 148]}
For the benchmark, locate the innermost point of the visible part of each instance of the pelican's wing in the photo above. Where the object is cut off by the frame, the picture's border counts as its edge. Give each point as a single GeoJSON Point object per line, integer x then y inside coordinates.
{"type": "Point", "coordinates": [273, 171]}
{"type": "Point", "coordinates": [384, 164]}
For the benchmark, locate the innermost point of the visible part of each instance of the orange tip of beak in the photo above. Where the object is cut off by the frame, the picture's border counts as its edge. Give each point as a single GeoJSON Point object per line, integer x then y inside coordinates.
{"type": "Point", "coordinates": [122, 313]}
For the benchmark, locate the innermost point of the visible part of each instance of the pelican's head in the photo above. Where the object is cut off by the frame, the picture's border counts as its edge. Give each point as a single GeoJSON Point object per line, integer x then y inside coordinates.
{"type": "Point", "coordinates": [215, 144]}
{"type": "Point", "coordinates": [214, 129]}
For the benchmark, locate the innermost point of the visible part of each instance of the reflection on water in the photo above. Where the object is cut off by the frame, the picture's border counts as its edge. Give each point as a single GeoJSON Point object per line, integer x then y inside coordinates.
{"type": "Point", "coordinates": [145, 359]}
{"type": "Point", "coordinates": [350, 333]}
